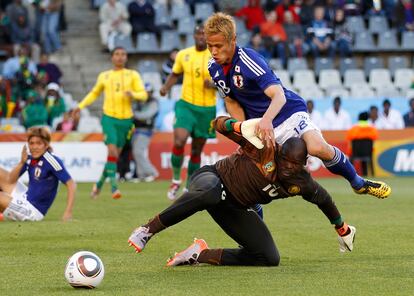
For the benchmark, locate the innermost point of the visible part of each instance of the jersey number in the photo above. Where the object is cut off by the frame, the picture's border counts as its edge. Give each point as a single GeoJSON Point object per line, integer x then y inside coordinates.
{"type": "Point", "coordinates": [271, 190]}
{"type": "Point", "coordinates": [222, 88]}
{"type": "Point", "coordinates": [301, 126]}
{"type": "Point", "coordinates": [197, 72]}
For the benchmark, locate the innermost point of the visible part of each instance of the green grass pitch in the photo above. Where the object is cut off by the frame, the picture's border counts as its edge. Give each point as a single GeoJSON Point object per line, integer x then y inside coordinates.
{"type": "Point", "coordinates": [33, 255]}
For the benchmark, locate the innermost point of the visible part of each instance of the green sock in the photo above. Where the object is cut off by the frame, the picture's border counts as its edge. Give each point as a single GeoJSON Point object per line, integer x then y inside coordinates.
{"type": "Point", "coordinates": [338, 221]}
{"type": "Point", "coordinates": [102, 179]}
{"type": "Point", "coordinates": [110, 168]}
{"type": "Point", "coordinates": [192, 167]}
{"type": "Point", "coordinates": [176, 162]}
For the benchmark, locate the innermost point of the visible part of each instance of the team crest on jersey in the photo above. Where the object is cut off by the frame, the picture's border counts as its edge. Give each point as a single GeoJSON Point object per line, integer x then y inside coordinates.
{"type": "Point", "coordinates": [187, 57]}
{"type": "Point", "coordinates": [237, 69]}
{"type": "Point", "coordinates": [37, 172]}
{"type": "Point", "coordinates": [40, 163]}
{"type": "Point", "coordinates": [294, 189]}
{"type": "Point", "coordinates": [238, 81]}
{"type": "Point", "coordinates": [269, 167]}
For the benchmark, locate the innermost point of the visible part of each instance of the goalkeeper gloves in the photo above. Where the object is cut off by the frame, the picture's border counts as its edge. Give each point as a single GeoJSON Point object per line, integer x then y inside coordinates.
{"type": "Point", "coordinates": [247, 130]}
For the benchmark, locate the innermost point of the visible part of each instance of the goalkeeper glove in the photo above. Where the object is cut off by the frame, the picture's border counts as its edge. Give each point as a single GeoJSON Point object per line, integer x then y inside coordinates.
{"type": "Point", "coordinates": [247, 130]}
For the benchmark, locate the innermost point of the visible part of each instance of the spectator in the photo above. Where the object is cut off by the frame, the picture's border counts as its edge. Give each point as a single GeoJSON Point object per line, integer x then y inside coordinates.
{"type": "Point", "coordinates": [69, 122]}
{"type": "Point", "coordinates": [320, 34]}
{"type": "Point", "coordinates": [373, 7]}
{"type": "Point", "coordinates": [373, 115]}
{"type": "Point", "coordinates": [351, 7]}
{"type": "Point", "coordinates": [114, 20]}
{"type": "Point", "coordinates": [168, 64]}
{"type": "Point", "coordinates": [35, 112]}
{"type": "Point", "coordinates": [7, 106]}
{"type": "Point", "coordinates": [390, 118]}
{"type": "Point", "coordinates": [16, 9]}
{"type": "Point", "coordinates": [50, 25]}
{"type": "Point", "coordinates": [142, 16]}
{"type": "Point", "coordinates": [314, 115]}
{"type": "Point", "coordinates": [409, 116]}
{"type": "Point", "coordinates": [274, 36]}
{"type": "Point", "coordinates": [343, 37]}
{"type": "Point", "coordinates": [306, 13]}
{"type": "Point", "coordinates": [252, 14]}
{"type": "Point", "coordinates": [25, 80]}
{"type": "Point", "coordinates": [283, 7]}
{"type": "Point", "coordinates": [294, 32]}
{"type": "Point", "coordinates": [337, 118]}
{"type": "Point", "coordinates": [144, 119]}
{"type": "Point", "coordinates": [330, 9]}
{"type": "Point", "coordinates": [22, 34]}
{"type": "Point", "coordinates": [256, 43]}
{"type": "Point", "coordinates": [404, 15]}
{"type": "Point", "coordinates": [55, 104]}
{"type": "Point", "coordinates": [51, 70]}
{"type": "Point", "coordinates": [5, 40]}
{"type": "Point", "coordinates": [12, 65]}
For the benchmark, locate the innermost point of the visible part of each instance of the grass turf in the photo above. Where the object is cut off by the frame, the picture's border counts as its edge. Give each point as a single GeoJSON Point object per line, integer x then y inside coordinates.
{"type": "Point", "coordinates": [33, 255]}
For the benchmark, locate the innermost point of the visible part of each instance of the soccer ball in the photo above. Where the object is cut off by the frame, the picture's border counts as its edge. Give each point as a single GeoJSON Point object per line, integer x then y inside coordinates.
{"type": "Point", "coordinates": [84, 270]}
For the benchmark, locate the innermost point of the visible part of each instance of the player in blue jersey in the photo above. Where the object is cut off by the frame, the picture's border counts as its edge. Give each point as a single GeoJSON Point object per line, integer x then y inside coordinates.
{"type": "Point", "coordinates": [31, 203]}
{"type": "Point", "coordinates": [252, 90]}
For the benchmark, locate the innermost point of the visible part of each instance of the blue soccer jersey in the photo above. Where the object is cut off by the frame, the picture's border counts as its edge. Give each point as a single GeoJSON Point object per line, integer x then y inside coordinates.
{"type": "Point", "coordinates": [245, 81]}
{"type": "Point", "coordinates": [44, 176]}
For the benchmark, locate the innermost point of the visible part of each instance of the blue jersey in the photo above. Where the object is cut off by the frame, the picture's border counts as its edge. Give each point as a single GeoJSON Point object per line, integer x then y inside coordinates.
{"type": "Point", "coordinates": [44, 176]}
{"type": "Point", "coordinates": [245, 80]}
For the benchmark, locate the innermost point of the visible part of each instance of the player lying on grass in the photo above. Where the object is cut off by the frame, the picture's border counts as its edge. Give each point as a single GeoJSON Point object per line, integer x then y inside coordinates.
{"type": "Point", "coordinates": [228, 190]}
{"type": "Point", "coordinates": [21, 203]}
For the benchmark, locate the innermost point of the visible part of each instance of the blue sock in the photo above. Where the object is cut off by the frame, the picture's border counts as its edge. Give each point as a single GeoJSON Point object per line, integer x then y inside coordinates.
{"type": "Point", "coordinates": [259, 210]}
{"type": "Point", "coordinates": [340, 165]}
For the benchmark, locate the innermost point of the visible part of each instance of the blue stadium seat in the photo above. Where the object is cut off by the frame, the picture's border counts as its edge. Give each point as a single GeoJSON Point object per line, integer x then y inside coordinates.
{"type": "Point", "coordinates": [397, 62]}
{"type": "Point", "coordinates": [243, 39]}
{"type": "Point", "coordinates": [162, 17]}
{"type": "Point", "coordinates": [388, 41]}
{"type": "Point", "coordinates": [323, 64]}
{"type": "Point", "coordinates": [203, 11]}
{"type": "Point", "coordinates": [179, 11]}
{"type": "Point", "coordinates": [186, 25]}
{"type": "Point", "coordinates": [407, 42]}
{"type": "Point", "coordinates": [147, 66]}
{"type": "Point", "coordinates": [275, 64]}
{"type": "Point", "coordinates": [189, 40]}
{"type": "Point", "coordinates": [170, 40]}
{"type": "Point", "coordinates": [364, 42]}
{"type": "Point", "coordinates": [240, 25]}
{"type": "Point", "coordinates": [346, 64]}
{"type": "Point", "coordinates": [355, 24]}
{"type": "Point", "coordinates": [372, 63]}
{"type": "Point", "coordinates": [378, 24]}
{"type": "Point", "coordinates": [295, 64]}
{"type": "Point", "coordinates": [125, 42]}
{"type": "Point", "coordinates": [147, 43]}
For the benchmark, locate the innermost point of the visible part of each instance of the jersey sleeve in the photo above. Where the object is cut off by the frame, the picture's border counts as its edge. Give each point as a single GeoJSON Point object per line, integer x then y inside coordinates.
{"type": "Point", "coordinates": [255, 68]}
{"type": "Point", "coordinates": [178, 64]}
{"type": "Point", "coordinates": [23, 169]}
{"type": "Point", "coordinates": [93, 94]}
{"type": "Point", "coordinates": [57, 168]}
{"type": "Point", "coordinates": [138, 89]}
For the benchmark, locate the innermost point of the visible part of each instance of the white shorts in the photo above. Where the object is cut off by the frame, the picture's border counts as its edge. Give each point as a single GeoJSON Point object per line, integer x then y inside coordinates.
{"type": "Point", "coordinates": [20, 209]}
{"type": "Point", "coordinates": [295, 126]}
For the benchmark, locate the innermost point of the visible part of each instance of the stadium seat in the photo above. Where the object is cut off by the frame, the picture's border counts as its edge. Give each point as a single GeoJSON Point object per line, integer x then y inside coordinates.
{"type": "Point", "coordinates": [186, 25]}
{"type": "Point", "coordinates": [355, 24]}
{"type": "Point", "coordinates": [329, 78]}
{"type": "Point", "coordinates": [403, 78]}
{"type": "Point", "coordinates": [98, 3]}
{"type": "Point", "coordinates": [203, 11]}
{"type": "Point", "coordinates": [275, 64]}
{"type": "Point", "coordinates": [379, 78]}
{"type": "Point", "coordinates": [147, 43]}
{"type": "Point", "coordinates": [89, 124]}
{"type": "Point", "coordinates": [125, 42]}
{"type": "Point", "coordinates": [240, 26]}
{"type": "Point", "coordinates": [304, 79]}
{"type": "Point", "coordinates": [407, 42]}
{"type": "Point", "coordinates": [189, 40]}
{"type": "Point", "coordinates": [311, 93]}
{"type": "Point", "coordinates": [361, 90]}
{"type": "Point", "coordinates": [163, 22]}
{"type": "Point", "coordinates": [126, 2]}
{"type": "Point", "coordinates": [154, 78]}
{"type": "Point", "coordinates": [409, 94]}
{"type": "Point", "coordinates": [378, 24]}
{"type": "Point", "coordinates": [387, 91]}
{"type": "Point", "coordinates": [346, 64]}
{"type": "Point", "coordinates": [295, 64]}
{"type": "Point", "coordinates": [397, 62]}
{"type": "Point", "coordinates": [179, 11]}
{"type": "Point", "coordinates": [145, 66]}
{"type": "Point", "coordinates": [9, 121]}
{"type": "Point", "coordinates": [169, 40]}
{"type": "Point", "coordinates": [337, 92]}
{"type": "Point", "coordinates": [388, 41]}
{"type": "Point", "coordinates": [283, 75]}
{"type": "Point", "coordinates": [243, 39]}
{"type": "Point", "coordinates": [364, 42]}
{"type": "Point", "coordinates": [372, 63]}
{"type": "Point", "coordinates": [354, 76]}
{"type": "Point", "coordinates": [323, 64]}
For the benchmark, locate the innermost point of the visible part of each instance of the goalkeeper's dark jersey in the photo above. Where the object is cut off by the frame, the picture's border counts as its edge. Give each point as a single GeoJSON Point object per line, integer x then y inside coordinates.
{"type": "Point", "coordinates": [252, 177]}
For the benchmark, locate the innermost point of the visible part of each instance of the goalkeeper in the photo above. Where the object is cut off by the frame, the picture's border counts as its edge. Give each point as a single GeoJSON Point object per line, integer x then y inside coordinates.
{"type": "Point", "coordinates": [228, 189]}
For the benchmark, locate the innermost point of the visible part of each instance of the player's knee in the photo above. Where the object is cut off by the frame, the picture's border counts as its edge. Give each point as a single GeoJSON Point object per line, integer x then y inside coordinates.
{"type": "Point", "coordinates": [208, 184]}
{"type": "Point", "coordinates": [318, 148]}
{"type": "Point", "coordinates": [272, 259]}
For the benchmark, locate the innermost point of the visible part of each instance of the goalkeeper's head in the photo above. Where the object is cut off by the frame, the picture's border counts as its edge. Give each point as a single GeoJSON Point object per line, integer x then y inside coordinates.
{"type": "Point", "coordinates": [291, 157]}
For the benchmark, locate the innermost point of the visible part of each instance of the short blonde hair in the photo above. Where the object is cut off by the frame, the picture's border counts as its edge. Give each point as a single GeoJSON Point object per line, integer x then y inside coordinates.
{"type": "Point", "coordinates": [220, 23]}
{"type": "Point", "coordinates": [39, 131]}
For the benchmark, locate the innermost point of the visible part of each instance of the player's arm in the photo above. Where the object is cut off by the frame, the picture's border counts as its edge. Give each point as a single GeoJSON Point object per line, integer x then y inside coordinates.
{"type": "Point", "coordinates": [265, 127]}
{"type": "Point", "coordinates": [71, 189]}
{"type": "Point", "coordinates": [93, 94]}
{"type": "Point", "coordinates": [234, 109]}
{"type": "Point", "coordinates": [138, 90]}
{"type": "Point", "coordinates": [16, 172]}
{"type": "Point", "coordinates": [171, 80]}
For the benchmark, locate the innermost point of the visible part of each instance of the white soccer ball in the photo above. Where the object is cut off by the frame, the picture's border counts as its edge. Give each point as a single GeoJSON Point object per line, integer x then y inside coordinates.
{"type": "Point", "coordinates": [84, 270]}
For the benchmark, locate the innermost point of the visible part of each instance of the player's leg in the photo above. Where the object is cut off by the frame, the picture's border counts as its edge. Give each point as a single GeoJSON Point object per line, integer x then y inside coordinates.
{"type": "Point", "coordinates": [4, 182]}
{"type": "Point", "coordinates": [197, 146]}
{"type": "Point", "coordinates": [205, 191]}
{"type": "Point", "coordinates": [5, 199]}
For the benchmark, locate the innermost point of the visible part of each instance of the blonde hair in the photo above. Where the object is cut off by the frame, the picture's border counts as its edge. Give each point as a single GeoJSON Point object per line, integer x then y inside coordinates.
{"type": "Point", "coordinates": [220, 23]}
{"type": "Point", "coordinates": [39, 131]}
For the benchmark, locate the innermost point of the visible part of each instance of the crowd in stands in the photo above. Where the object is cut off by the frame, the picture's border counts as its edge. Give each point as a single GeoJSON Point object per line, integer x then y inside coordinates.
{"type": "Point", "coordinates": [30, 88]}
